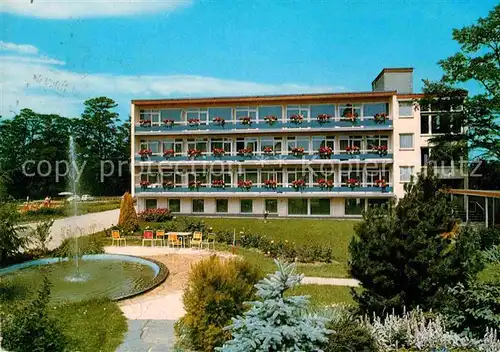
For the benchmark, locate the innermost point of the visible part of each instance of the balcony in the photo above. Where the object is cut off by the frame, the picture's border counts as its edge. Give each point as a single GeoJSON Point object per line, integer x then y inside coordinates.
{"type": "Point", "coordinates": [258, 158]}
{"type": "Point", "coordinates": [257, 191]}
{"type": "Point", "coordinates": [365, 124]}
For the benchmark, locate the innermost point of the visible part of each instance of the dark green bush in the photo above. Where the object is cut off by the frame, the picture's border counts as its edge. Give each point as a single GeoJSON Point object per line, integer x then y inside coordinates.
{"type": "Point", "coordinates": [489, 237]}
{"type": "Point", "coordinates": [91, 244]}
{"type": "Point", "coordinates": [216, 292]}
{"type": "Point", "coordinates": [31, 328]}
{"type": "Point", "coordinates": [45, 211]}
{"type": "Point", "coordinates": [155, 215]}
{"type": "Point", "coordinates": [349, 336]}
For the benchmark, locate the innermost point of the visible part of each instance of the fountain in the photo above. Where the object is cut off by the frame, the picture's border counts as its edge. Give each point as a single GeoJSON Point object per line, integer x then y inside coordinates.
{"type": "Point", "coordinates": [79, 277]}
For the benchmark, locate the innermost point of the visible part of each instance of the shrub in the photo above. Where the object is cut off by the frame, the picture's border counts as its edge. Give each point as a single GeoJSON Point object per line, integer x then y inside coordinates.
{"type": "Point", "coordinates": [489, 237]}
{"type": "Point", "coordinates": [401, 257]}
{"type": "Point", "coordinates": [277, 322]}
{"type": "Point", "coordinates": [473, 307]}
{"type": "Point", "coordinates": [45, 211]}
{"type": "Point", "coordinates": [40, 236]}
{"type": "Point", "coordinates": [216, 291]}
{"type": "Point", "coordinates": [128, 220]}
{"type": "Point", "coordinates": [155, 215]}
{"type": "Point", "coordinates": [12, 239]}
{"type": "Point", "coordinates": [31, 328]}
{"type": "Point", "coordinates": [91, 244]}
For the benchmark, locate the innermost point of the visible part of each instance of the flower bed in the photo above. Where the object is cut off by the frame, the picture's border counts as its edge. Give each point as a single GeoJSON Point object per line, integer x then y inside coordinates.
{"type": "Point", "coordinates": [155, 215]}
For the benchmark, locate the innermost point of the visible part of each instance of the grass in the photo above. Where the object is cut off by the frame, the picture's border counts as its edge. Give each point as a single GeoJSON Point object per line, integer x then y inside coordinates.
{"type": "Point", "coordinates": [491, 273]}
{"type": "Point", "coordinates": [67, 210]}
{"type": "Point", "coordinates": [324, 295]}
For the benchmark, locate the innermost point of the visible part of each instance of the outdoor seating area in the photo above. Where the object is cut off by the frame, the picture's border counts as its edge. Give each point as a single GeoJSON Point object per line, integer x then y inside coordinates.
{"type": "Point", "coordinates": [155, 238]}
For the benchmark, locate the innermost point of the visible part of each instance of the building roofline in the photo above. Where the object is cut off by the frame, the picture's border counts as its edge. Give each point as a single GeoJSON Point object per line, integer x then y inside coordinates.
{"type": "Point", "coordinates": [392, 70]}
{"type": "Point", "coordinates": [261, 98]}
{"type": "Point", "coordinates": [410, 96]}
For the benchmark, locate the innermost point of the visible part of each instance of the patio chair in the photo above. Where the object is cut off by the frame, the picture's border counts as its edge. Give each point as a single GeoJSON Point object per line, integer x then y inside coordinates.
{"type": "Point", "coordinates": [160, 236]}
{"type": "Point", "coordinates": [210, 239]}
{"type": "Point", "coordinates": [173, 240]}
{"type": "Point", "coordinates": [115, 237]}
{"type": "Point", "coordinates": [148, 236]}
{"type": "Point", "coordinates": [197, 240]}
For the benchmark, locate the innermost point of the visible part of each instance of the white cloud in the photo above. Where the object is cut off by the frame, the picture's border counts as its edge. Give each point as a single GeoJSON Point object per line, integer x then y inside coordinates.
{"type": "Point", "coordinates": [64, 9]}
{"type": "Point", "coordinates": [19, 48]}
{"type": "Point", "coordinates": [44, 85]}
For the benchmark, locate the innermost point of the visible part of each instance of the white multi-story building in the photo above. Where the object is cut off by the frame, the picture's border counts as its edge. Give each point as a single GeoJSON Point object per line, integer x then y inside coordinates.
{"type": "Point", "coordinates": [325, 155]}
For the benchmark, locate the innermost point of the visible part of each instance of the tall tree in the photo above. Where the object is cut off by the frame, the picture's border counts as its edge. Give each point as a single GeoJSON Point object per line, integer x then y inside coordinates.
{"type": "Point", "coordinates": [477, 62]}
{"type": "Point", "coordinates": [103, 142]}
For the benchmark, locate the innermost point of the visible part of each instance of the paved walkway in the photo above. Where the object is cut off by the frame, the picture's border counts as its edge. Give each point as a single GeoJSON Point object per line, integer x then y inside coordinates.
{"type": "Point", "coordinates": [149, 336]}
{"type": "Point", "coordinates": [81, 225]}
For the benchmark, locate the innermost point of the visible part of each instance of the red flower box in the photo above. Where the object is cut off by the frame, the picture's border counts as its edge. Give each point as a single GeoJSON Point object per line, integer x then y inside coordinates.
{"type": "Point", "coordinates": [352, 182]}
{"type": "Point", "coordinates": [218, 184]}
{"type": "Point", "coordinates": [246, 185]}
{"type": "Point", "coordinates": [245, 152]}
{"type": "Point", "coordinates": [323, 118]}
{"type": "Point", "coordinates": [144, 184]}
{"type": "Point", "coordinates": [168, 184]}
{"type": "Point", "coordinates": [268, 150]}
{"type": "Point", "coordinates": [270, 183]}
{"type": "Point", "coordinates": [325, 152]}
{"type": "Point", "coordinates": [145, 123]}
{"type": "Point", "coordinates": [270, 119]}
{"type": "Point", "coordinates": [325, 183]}
{"type": "Point", "coordinates": [194, 185]}
{"type": "Point", "coordinates": [297, 119]}
{"type": "Point", "coordinates": [194, 122]}
{"type": "Point", "coordinates": [219, 121]}
{"type": "Point", "coordinates": [168, 153]}
{"type": "Point", "coordinates": [299, 151]}
{"type": "Point", "coordinates": [246, 120]}
{"type": "Point", "coordinates": [145, 153]}
{"type": "Point", "coordinates": [219, 151]}
{"type": "Point", "coordinates": [353, 150]}
{"type": "Point", "coordinates": [380, 183]}
{"type": "Point", "coordinates": [193, 153]}
{"type": "Point", "coordinates": [380, 117]}
{"type": "Point", "coordinates": [168, 122]}
{"type": "Point", "coordinates": [298, 184]}
{"type": "Point", "coordinates": [380, 150]}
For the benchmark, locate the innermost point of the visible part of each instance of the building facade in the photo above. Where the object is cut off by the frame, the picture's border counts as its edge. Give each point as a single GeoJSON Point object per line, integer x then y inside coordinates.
{"type": "Point", "coordinates": [324, 155]}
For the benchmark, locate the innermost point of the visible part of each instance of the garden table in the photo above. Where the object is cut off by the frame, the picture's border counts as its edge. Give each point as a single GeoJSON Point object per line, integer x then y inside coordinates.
{"type": "Point", "coordinates": [183, 235]}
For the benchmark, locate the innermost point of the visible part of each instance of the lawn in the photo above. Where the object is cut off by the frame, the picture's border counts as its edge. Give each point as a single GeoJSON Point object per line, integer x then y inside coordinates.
{"type": "Point", "coordinates": [67, 210]}
{"type": "Point", "coordinates": [324, 295]}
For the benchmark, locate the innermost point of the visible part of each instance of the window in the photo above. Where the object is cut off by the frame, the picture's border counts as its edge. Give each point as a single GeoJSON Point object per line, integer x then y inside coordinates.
{"type": "Point", "coordinates": [222, 175]}
{"type": "Point", "coordinates": [271, 206]}
{"type": "Point", "coordinates": [221, 205]}
{"type": "Point", "coordinates": [224, 143]}
{"type": "Point", "coordinates": [424, 124]}
{"type": "Point", "coordinates": [153, 145]}
{"type": "Point", "coordinates": [351, 141]}
{"type": "Point", "coordinates": [270, 111]}
{"type": "Point", "coordinates": [246, 206]}
{"type": "Point", "coordinates": [405, 173]}
{"type": "Point", "coordinates": [348, 109]}
{"type": "Point", "coordinates": [406, 141]}
{"type": "Point", "coordinates": [152, 177]}
{"type": "Point", "coordinates": [369, 110]}
{"type": "Point", "coordinates": [274, 142]}
{"type": "Point", "coordinates": [198, 205]}
{"type": "Point", "coordinates": [297, 206]}
{"type": "Point", "coordinates": [151, 115]}
{"type": "Point", "coordinates": [297, 174]}
{"type": "Point", "coordinates": [201, 114]}
{"type": "Point", "coordinates": [271, 174]}
{"type": "Point", "coordinates": [322, 141]}
{"type": "Point", "coordinates": [350, 173]}
{"type": "Point", "coordinates": [424, 155]}
{"type": "Point", "coordinates": [244, 112]}
{"type": "Point", "coordinates": [405, 109]}
{"type": "Point", "coordinates": [322, 109]}
{"type": "Point", "coordinates": [174, 205]}
{"type": "Point", "coordinates": [172, 176]}
{"type": "Point", "coordinates": [374, 173]}
{"type": "Point", "coordinates": [151, 203]}
{"type": "Point", "coordinates": [248, 175]}
{"type": "Point", "coordinates": [225, 113]}
{"type": "Point", "coordinates": [298, 142]}
{"type": "Point", "coordinates": [175, 144]}
{"type": "Point", "coordinates": [320, 206]}
{"type": "Point", "coordinates": [171, 114]}
{"type": "Point", "coordinates": [248, 143]}
{"type": "Point", "coordinates": [354, 206]}
{"type": "Point", "coordinates": [198, 176]}
{"type": "Point", "coordinates": [201, 144]}
{"type": "Point", "coordinates": [326, 172]}
{"type": "Point", "coordinates": [297, 110]}
{"type": "Point", "coordinates": [377, 202]}
{"type": "Point", "coordinates": [376, 141]}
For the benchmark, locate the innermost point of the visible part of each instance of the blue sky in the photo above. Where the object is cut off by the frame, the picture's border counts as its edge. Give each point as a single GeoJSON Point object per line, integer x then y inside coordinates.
{"type": "Point", "coordinates": [57, 54]}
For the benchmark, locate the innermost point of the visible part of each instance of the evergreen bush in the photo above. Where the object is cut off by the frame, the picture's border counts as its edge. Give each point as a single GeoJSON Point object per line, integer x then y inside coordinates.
{"type": "Point", "coordinates": [128, 220]}
{"type": "Point", "coordinates": [216, 291]}
{"type": "Point", "coordinates": [277, 322]}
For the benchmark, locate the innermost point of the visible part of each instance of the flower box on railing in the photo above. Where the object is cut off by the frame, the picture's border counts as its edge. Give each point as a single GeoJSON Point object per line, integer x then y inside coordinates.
{"type": "Point", "coordinates": [219, 121]}
{"type": "Point", "coordinates": [268, 150]}
{"type": "Point", "coordinates": [271, 119]}
{"type": "Point", "coordinates": [194, 185]}
{"type": "Point", "coordinates": [193, 122]}
{"type": "Point", "coordinates": [169, 123]}
{"type": "Point", "coordinates": [193, 153]}
{"type": "Point", "coordinates": [145, 123]}
{"type": "Point", "coordinates": [325, 152]}
{"type": "Point", "coordinates": [219, 152]}
{"type": "Point", "coordinates": [271, 184]}
{"type": "Point", "coordinates": [380, 118]}
{"type": "Point", "coordinates": [218, 184]}
{"type": "Point", "coordinates": [168, 153]}
{"type": "Point", "coordinates": [353, 150]}
{"type": "Point", "coordinates": [324, 118]}
{"type": "Point", "coordinates": [144, 184]}
{"type": "Point", "coordinates": [325, 184]}
{"type": "Point", "coordinates": [350, 115]}
{"type": "Point", "coordinates": [298, 184]}
{"type": "Point", "coordinates": [168, 184]}
{"type": "Point", "coordinates": [297, 119]}
{"type": "Point", "coordinates": [245, 152]}
{"type": "Point", "coordinates": [298, 151]}
{"type": "Point", "coordinates": [381, 183]}
{"type": "Point", "coordinates": [380, 150]}
{"type": "Point", "coordinates": [145, 153]}
{"type": "Point", "coordinates": [245, 185]}
{"type": "Point", "coordinates": [353, 183]}
{"type": "Point", "coordinates": [246, 120]}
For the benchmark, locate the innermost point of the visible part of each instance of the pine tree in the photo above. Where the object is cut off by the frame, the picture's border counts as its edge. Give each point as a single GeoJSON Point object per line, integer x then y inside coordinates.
{"type": "Point", "coordinates": [401, 256]}
{"type": "Point", "coordinates": [277, 322]}
{"type": "Point", "coordinates": [128, 220]}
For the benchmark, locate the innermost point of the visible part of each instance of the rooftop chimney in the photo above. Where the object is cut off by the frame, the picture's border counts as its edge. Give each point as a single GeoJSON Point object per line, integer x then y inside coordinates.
{"type": "Point", "coordinates": [398, 79]}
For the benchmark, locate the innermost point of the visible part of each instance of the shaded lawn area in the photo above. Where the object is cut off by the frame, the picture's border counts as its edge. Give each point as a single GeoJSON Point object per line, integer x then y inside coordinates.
{"type": "Point", "coordinates": [324, 295]}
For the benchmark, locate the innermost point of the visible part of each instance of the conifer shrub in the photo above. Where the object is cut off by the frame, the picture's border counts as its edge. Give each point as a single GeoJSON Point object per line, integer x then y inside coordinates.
{"type": "Point", "coordinates": [216, 292]}
{"type": "Point", "coordinates": [128, 220]}
{"type": "Point", "coordinates": [277, 322]}
{"type": "Point", "coordinates": [31, 328]}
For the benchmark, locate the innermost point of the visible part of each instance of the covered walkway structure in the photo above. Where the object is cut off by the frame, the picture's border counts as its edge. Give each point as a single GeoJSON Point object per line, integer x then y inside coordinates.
{"type": "Point", "coordinates": [478, 206]}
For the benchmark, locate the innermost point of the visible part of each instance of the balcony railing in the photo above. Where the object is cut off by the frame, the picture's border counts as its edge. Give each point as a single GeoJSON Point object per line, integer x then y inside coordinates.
{"type": "Point", "coordinates": [183, 126]}
{"type": "Point", "coordinates": [261, 157]}
{"type": "Point", "coordinates": [277, 190]}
